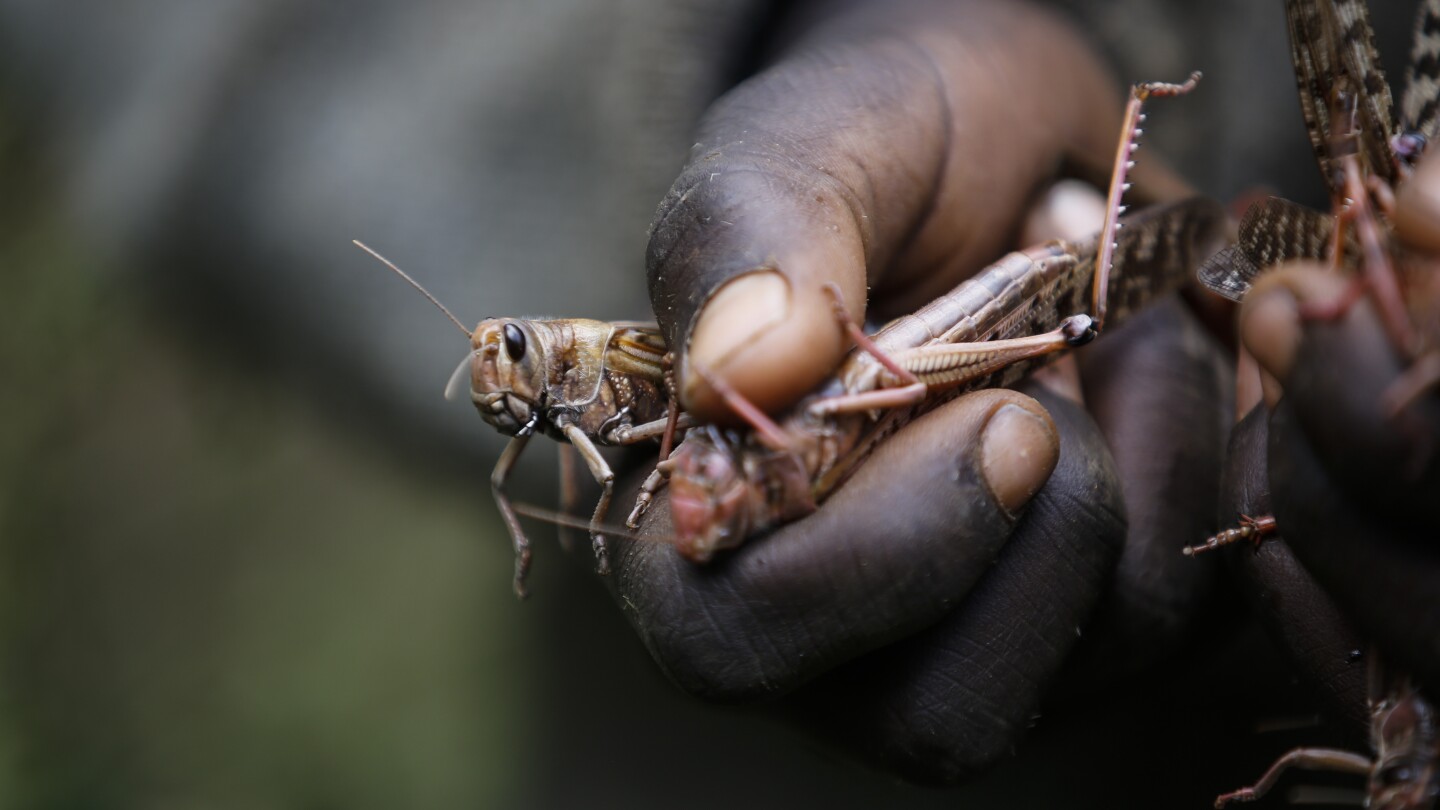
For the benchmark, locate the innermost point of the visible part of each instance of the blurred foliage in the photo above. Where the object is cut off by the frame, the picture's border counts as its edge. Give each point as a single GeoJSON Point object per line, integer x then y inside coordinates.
{"type": "Point", "coordinates": [209, 596]}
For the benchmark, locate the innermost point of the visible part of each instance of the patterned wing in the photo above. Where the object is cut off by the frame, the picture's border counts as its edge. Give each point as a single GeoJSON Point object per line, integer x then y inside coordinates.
{"type": "Point", "coordinates": [1333, 50]}
{"type": "Point", "coordinates": [637, 349]}
{"type": "Point", "coordinates": [1272, 231]}
{"type": "Point", "coordinates": [1229, 273]}
{"type": "Point", "coordinates": [1420, 105]}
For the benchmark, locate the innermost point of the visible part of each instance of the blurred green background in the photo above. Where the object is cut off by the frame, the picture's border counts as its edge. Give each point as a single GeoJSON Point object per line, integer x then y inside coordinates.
{"type": "Point", "coordinates": [214, 596]}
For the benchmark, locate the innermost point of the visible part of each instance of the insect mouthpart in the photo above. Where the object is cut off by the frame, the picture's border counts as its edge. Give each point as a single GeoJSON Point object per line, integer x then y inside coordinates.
{"type": "Point", "coordinates": [504, 411]}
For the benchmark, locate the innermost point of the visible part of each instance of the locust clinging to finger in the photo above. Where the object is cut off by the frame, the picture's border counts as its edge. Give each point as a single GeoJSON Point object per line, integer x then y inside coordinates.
{"type": "Point", "coordinates": [580, 381]}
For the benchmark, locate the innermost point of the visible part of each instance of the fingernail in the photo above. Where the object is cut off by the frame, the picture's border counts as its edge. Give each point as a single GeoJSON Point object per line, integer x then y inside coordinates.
{"type": "Point", "coordinates": [1270, 330]}
{"type": "Point", "coordinates": [1018, 451]}
{"type": "Point", "coordinates": [736, 316]}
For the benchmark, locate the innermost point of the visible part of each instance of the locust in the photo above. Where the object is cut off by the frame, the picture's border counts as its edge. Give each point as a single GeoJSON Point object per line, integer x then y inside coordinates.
{"type": "Point", "coordinates": [1365, 155]}
{"type": "Point", "coordinates": [1015, 315]}
{"type": "Point", "coordinates": [1404, 771]}
{"type": "Point", "coordinates": [582, 382]}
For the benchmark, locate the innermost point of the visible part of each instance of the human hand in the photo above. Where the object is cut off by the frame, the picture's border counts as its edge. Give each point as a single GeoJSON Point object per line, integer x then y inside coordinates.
{"type": "Point", "coordinates": [923, 612]}
{"type": "Point", "coordinates": [1352, 485]}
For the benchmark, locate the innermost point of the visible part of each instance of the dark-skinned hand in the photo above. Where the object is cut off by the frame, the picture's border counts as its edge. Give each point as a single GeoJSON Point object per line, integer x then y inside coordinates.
{"type": "Point", "coordinates": [922, 614]}
{"type": "Point", "coordinates": [1354, 485]}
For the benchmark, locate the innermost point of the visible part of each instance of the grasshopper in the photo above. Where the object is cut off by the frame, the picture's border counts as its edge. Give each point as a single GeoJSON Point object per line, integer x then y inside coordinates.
{"type": "Point", "coordinates": [1348, 114]}
{"type": "Point", "coordinates": [580, 381]}
{"type": "Point", "coordinates": [989, 331]}
{"type": "Point", "coordinates": [1364, 156]}
{"type": "Point", "coordinates": [1403, 774]}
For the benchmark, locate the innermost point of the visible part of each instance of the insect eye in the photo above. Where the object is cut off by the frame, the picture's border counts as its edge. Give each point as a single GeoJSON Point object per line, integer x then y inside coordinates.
{"type": "Point", "coordinates": [514, 342]}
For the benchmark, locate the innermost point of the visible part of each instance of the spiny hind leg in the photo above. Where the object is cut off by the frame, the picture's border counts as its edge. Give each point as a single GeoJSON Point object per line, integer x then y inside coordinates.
{"type": "Point", "coordinates": [957, 363]}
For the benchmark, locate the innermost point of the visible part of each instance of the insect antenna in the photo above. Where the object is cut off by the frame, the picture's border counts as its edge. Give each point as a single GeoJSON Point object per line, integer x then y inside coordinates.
{"type": "Point", "coordinates": [573, 522]}
{"type": "Point", "coordinates": [415, 284]}
{"type": "Point", "coordinates": [459, 377]}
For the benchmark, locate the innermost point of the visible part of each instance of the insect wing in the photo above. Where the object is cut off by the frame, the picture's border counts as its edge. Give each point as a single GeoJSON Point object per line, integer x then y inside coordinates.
{"type": "Point", "coordinates": [1420, 104]}
{"type": "Point", "coordinates": [637, 349]}
{"type": "Point", "coordinates": [1272, 231]}
{"type": "Point", "coordinates": [1361, 61]}
{"type": "Point", "coordinates": [1333, 50]}
{"type": "Point", "coordinates": [1229, 273]}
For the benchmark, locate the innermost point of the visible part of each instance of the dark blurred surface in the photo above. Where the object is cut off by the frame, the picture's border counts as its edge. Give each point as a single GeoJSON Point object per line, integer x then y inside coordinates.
{"type": "Point", "coordinates": [250, 558]}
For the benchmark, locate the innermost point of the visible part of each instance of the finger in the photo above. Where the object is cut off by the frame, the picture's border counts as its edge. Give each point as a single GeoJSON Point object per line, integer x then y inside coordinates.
{"type": "Point", "coordinates": [1334, 372]}
{"type": "Point", "coordinates": [895, 146]}
{"type": "Point", "coordinates": [1299, 616]}
{"type": "Point", "coordinates": [1160, 390]}
{"type": "Point", "coordinates": [1249, 385]}
{"type": "Point", "coordinates": [890, 552]}
{"type": "Point", "coordinates": [1071, 210]}
{"type": "Point", "coordinates": [947, 703]}
{"type": "Point", "coordinates": [1381, 572]}
{"type": "Point", "coordinates": [1417, 207]}
{"type": "Point", "coordinates": [1062, 378]}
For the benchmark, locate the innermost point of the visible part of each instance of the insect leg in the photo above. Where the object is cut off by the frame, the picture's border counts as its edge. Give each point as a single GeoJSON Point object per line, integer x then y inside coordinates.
{"type": "Point", "coordinates": [507, 513]}
{"type": "Point", "coordinates": [654, 482]}
{"type": "Point", "coordinates": [952, 364]}
{"type": "Point", "coordinates": [769, 433]}
{"type": "Point", "coordinates": [1376, 269]}
{"type": "Point", "coordinates": [1130, 132]}
{"type": "Point", "coordinates": [630, 434]}
{"type": "Point", "coordinates": [606, 478]}
{"type": "Point", "coordinates": [672, 425]}
{"type": "Point", "coordinates": [1313, 759]}
{"type": "Point", "coordinates": [672, 408]}
{"type": "Point", "coordinates": [1250, 528]}
{"type": "Point", "coordinates": [569, 491]}
{"type": "Point", "coordinates": [863, 341]}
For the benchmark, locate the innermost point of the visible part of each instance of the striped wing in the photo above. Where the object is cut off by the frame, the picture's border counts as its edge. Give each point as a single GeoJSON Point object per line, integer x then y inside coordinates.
{"type": "Point", "coordinates": [637, 349]}
{"type": "Point", "coordinates": [1420, 105]}
{"type": "Point", "coordinates": [1272, 231]}
{"type": "Point", "coordinates": [1333, 50]}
